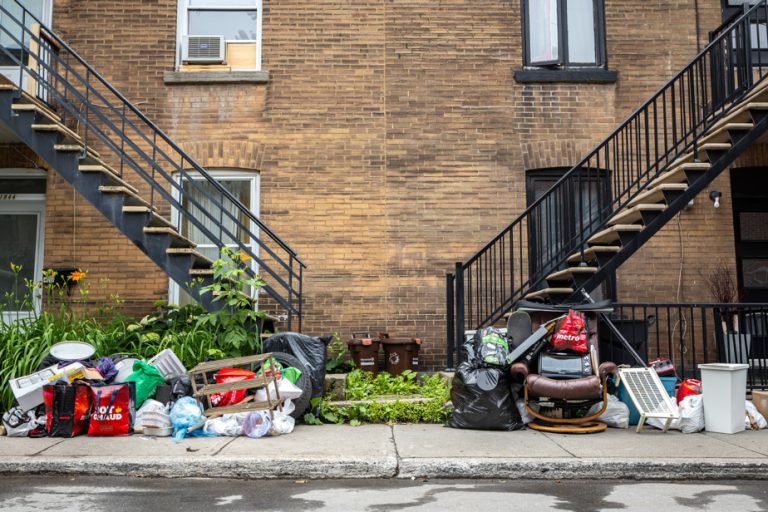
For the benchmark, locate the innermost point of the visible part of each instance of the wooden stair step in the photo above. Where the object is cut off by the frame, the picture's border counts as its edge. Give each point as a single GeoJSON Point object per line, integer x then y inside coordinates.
{"type": "Point", "coordinates": [60, 128]}
{"type": "Point", "coordinates": [113, 176]}
{"type": "Point", "coordinates": [38, 107]}
{"type": "Point", "coordinates": [119, 189]}
{"type": "Point", "coordinates": [635, 214]}
{"type": "Point", "coordinates": [76, 148]}
{"type": "Point", "coordinates": [656, 194]}
{"type": "Point", "coordinates": [191, 251]}
{"type": "Point", "coordinates": [678, 174]}
{"type": "Point", "coordinates": [569, 273]}
{"type": "Point", "coordinates": [548, 292]}
{"type": "Point", "coordinates": [592, 253]}
{"type": "Point", "coordinates": [201, 272]}
{"type": "Point", "coordinates": [613, 234]}
{"type": "Point", "coordinates": [173, 233]}
{"type": "Point", "coordinates": [722, 133]}
{"type": "Point", "coordinates": [155, 219]}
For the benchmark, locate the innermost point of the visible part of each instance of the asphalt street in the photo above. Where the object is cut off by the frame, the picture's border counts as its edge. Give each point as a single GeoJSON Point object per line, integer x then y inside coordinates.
{"type": "Point", "coordinates": [116, 494]}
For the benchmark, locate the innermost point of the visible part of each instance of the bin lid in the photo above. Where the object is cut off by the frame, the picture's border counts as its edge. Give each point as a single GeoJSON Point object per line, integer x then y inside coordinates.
{"type": "Point", "coordinates": [362, 341]}
{"type": "Point", "coordinates": [723, 367]}
{"type": "Point", "coordinates": [72, 350]}
{"type": "Point", "coordinates": [401, 341]}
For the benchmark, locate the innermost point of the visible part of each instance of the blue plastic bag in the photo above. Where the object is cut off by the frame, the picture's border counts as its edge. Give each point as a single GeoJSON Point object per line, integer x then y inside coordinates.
{"type": "Point", "coordinates": [186, 413]}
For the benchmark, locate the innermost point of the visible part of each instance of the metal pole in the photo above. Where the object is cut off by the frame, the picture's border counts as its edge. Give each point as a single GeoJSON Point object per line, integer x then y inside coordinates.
{"type": "Point", "coordinates": [459, 294]}
{"type": "Point", "coordinates": [449, 319]}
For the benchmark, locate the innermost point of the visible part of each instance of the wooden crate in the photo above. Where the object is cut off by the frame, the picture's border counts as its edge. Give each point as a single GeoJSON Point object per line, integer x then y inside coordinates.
{"type": "Point", "coordinates": [205, 372]}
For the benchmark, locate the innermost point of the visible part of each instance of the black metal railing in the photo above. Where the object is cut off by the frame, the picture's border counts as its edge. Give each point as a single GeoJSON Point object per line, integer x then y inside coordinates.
{"type": "Point", "coordinates": [691, 334]}
{"type": "Point", "coordinates": [110, 125]}
{"type": "Point", "coordinates": [664, 128]}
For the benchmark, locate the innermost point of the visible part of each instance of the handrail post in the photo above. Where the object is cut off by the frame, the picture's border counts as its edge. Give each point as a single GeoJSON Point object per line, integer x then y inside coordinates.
{"type": "Point", "coordinates": [290, 292]}
{"type": "Point", "coordinates": [449, 321]}
{"type": "Point", "coordinates": [459, 295]}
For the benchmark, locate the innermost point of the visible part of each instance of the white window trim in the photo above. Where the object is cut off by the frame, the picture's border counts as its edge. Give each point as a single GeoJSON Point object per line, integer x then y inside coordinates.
{"type": "Point", "coordinates": [12, 72]}
{"type": "Point", "coordinates": [182, 27]}
{"type": "Point", "coordinates": [28, 203]}
{"type": "Point", "coordinates": [224, 174]}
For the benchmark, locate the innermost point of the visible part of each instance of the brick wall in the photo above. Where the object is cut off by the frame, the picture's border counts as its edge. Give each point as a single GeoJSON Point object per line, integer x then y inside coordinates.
{"type": "Point", "coordinates": [392, 141]}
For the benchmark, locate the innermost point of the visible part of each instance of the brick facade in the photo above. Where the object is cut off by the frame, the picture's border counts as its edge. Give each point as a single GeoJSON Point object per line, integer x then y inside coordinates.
{"type": "Point", "coordinates": [391, 141]}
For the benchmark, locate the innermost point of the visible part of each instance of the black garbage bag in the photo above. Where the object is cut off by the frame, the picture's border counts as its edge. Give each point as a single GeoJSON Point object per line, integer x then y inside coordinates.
{"type": "Point", "coordinates": [482, 399]}
{"type": "Point", "coordinates": [310, 350]}
{"type": "Point", "coordinates": [180, 386]}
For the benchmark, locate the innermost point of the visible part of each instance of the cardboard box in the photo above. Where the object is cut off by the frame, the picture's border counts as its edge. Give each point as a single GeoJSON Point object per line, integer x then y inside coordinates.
{"type": "Point", "coordinates": [760, 399]}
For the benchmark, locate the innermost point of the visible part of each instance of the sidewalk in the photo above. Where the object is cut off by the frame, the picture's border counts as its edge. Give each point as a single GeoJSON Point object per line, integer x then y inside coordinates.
{"type": "Point", "coordinates": [402, 451]}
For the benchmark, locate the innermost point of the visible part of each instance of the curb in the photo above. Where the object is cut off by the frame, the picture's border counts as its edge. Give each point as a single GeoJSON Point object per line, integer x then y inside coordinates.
{"type": "Point", "coordinates": [579, 469]}
{"type": "Point", "coordinates": [207, 467]}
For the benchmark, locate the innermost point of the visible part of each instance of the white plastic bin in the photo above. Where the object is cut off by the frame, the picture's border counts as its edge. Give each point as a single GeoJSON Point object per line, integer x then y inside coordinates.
{"type": "Point", "coordinates": [724, 387]}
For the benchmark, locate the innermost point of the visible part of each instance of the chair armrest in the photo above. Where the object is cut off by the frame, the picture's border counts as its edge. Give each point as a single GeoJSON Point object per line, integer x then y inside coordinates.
{"type": "Point", "coordinates": [519, 370]}
{"type": "Point", "coordinates": [607, 368]}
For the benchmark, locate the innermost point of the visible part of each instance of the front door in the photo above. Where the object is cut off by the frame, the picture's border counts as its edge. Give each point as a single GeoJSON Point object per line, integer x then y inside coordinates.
{"type": "Point", "coordinates": [749, 188]}
{"type": "Point", "coordinates": [22, 216]}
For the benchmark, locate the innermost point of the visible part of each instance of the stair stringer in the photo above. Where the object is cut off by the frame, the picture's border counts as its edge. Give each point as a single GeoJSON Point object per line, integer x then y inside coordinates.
{"type": "Point", "coordinates": [66, 164]}
{"type": "Point", "coordinates": [674, 207]}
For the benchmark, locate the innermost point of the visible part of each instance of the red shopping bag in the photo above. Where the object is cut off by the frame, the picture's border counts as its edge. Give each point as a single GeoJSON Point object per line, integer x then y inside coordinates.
{"type": "Point", "coordinates": [113, 410]}
{"type": "Point", "coordinates": [572, 334]}
{"type": "Point", "coordinates": [230, 375]}
{"type": "Point", "coordinates": [66, 408]}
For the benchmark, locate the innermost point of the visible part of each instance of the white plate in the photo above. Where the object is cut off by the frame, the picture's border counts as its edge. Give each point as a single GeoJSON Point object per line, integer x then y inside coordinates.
{"type": "Point", "coordinates": [72, 350]}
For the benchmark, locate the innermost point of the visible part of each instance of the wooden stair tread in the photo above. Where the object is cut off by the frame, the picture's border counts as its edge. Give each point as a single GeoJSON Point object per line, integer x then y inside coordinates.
{"type": "Point", "coordinates": [634, 214]}
{"type": "Point", "coordinates": [113, 176]}
{"type": "Point", "coordinates": [715, 146]}
{"type": "Point", "coordinates": [58, 127]}
{"type": "Point", "coordinates": [720, 133]}
{"type": "Point", "coordinates": [201, 272]}
{"type": "Point", "coordinates": [76, 147]}
{"type": "Point", "coordinates": [611, 234]}
{"type": "Point", "coordinates": [34, 106]}
{"type": "Point", "coordinates": [546, 292]}
{"type": "Point", "coordinates": [120, 189]}
{"type": "Point", "coordinates": [656, 194]}
{"type": "Point", "coordinates": [677, 173]}
{"type": "Point", "coordinates": [191, 251]}
{"type": "Point", "coordinates": [591, 253]}
{"type": "Point", "coordinates": [160, 230]}
{"type": "Point", "coordinates": [144, 209]}
{"type": "Point", "coordinates": [565, 274]}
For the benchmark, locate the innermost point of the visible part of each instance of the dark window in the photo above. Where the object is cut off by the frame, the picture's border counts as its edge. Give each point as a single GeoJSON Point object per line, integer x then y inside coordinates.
{"type": "Point", "coordinates": [750, 218]}
{"type": "Point", "coordinates": [564, 33]}
{"type": "Point", "coordinates": [581, 203]}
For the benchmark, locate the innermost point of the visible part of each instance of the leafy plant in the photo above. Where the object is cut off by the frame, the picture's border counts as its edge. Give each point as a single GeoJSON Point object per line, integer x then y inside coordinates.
{"type": "Point", "coordinates": [337, 361]}
{"type": "Point", "coordinates": [364, 386]}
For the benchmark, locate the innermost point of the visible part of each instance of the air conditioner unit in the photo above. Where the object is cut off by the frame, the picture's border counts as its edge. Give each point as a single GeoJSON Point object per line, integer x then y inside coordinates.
{"type": "Point", "coordinates": [203, 49]}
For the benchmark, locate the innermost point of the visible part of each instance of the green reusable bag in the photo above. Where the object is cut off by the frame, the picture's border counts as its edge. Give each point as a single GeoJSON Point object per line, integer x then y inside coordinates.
{"type": "Point", "coordinates": [147, 378]}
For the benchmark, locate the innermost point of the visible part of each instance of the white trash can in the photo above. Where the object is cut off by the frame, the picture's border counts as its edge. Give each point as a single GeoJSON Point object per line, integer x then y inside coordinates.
{"type": "Point", "coordinates": [724, 387]}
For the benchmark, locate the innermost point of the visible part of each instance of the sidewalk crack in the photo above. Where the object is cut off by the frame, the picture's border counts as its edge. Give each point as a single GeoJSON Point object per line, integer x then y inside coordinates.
{"type": "Point", "coordinates": [47, 448]}
{"type": "Point", "coordinates": [566, 450]}
{"type": "Point", "coordinates": [397, 452]}
{"type": "Point", "coordinates": [762, 455]}
{"type": "Point", "coordinates": [223, 446]}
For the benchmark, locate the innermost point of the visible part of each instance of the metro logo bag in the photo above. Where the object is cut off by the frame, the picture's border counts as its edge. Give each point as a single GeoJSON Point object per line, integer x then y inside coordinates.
{"type": "Point", "coordinates": [66, 408]}
{"type": "Point", "coordinates": [113, 410]}
{"type": "Point", "coordinates": [572, 334]}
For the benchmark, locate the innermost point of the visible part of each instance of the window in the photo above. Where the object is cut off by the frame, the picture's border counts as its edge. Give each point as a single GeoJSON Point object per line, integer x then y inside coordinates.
{"type": "Point", "coordinates": [581, 204]}
{"type": "Point", "coordinates": [245, 187]}
{"type": "Point", "coordinates": [564, 33]}
{"type": "Point", "coordinates": [239, 21]}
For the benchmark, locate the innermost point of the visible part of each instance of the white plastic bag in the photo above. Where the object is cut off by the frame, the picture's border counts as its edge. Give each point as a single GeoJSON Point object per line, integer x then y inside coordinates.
{"type": "Point", "coordinates": [153, 414]}
{"type": "Point", "coordinates": [524, 414]}
{"type": "Point", "coordinates": [287, 389]}
{"type": "Point", "coordinates": [616, 413]}
{"type": "Point", "coordinates": [18, 423]}
{"type": "Point", "coordinates": [257, 424]}
{"type": "Point", "coordinates": [227, 425]}
{"type": "Point", "coordinates": [753, 415]}
{"type": "Point", "coordinates": [659, 422]}
{"type": "Point", "coordinates": [282, 422]}
{"type": "Point", "coordinates": [692, 414]}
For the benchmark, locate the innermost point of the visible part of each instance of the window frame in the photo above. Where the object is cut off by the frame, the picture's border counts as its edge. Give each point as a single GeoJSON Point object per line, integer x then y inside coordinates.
{"type": "Point", "coordinates": [182, 26]}
{"type": "Point", "coordinates": [562, 62]}
{"type": "Point", "coordinates": [220, 174]}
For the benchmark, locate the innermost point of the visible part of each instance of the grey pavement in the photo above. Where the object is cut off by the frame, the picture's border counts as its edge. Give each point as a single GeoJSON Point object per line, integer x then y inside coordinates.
{"type": "Point", "coordinates": [402, 451]}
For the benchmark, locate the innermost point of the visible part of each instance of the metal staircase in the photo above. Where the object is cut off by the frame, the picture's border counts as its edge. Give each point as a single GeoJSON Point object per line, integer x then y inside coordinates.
{"type": "Point", "coordinates": [132, 172]}
{"type": "Point", "coordinates": [656, 161]}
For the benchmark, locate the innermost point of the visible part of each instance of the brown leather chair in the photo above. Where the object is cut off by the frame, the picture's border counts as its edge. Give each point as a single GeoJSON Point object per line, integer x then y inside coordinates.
{"type": "Point", "coordinates": [567, 395]}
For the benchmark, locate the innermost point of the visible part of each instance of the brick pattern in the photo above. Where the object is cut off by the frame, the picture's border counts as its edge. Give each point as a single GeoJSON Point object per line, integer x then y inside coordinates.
{"type": "Point", "coordinates": [392, 141]}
